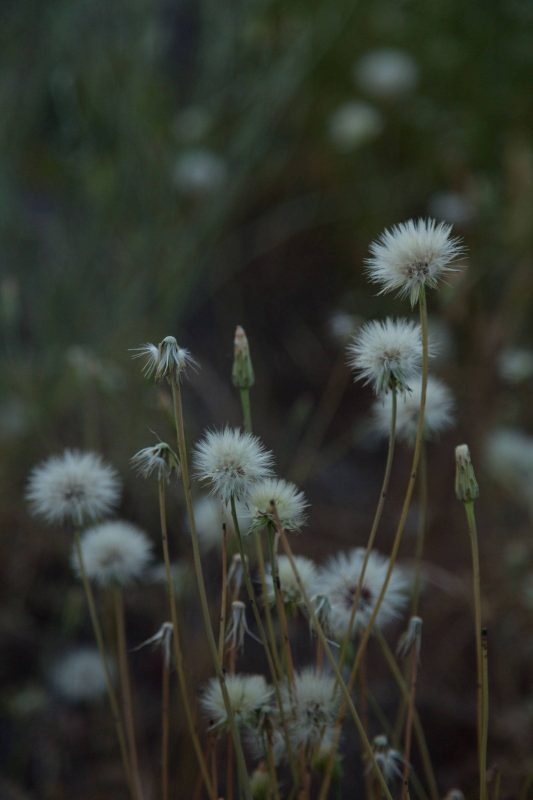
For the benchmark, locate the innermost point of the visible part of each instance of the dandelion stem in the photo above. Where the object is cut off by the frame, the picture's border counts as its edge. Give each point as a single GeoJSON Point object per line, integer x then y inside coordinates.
{"type": "Point", "coordinates": [224, 595]}
{"type": "Point", "coordinates": [165, 692]}
{"type": "Point", "coordinates": [280, 605]}
{"type": "Point", "coordinates": [98, 635]}
{"type": "Point", "coordinates": [409, 724]}
{"type": "Point", "coordinates": [184, 464]}
{"type": "Point", "coordinates": [176, 640]}
{"type": "Point", "coordinates": [422, 528]}
{"type": "Point", "coordinates": [246, 410]}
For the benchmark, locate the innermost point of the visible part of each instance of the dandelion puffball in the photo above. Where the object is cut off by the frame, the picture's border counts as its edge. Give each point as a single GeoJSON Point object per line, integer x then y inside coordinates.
{"type": "Point", "coordinates": [311, 707]}
{"type": "Point", "coordinates": [79, 676]}
{"type": "Point", "coordinates": [386, 354]}
{"type": "Point", "coordinates": [114, 552]}
{"type": "Point", "coordinates": [167, 360]}
{"type": "Point", "coordinates": [438, 414]}
{"type": "Point", "coordinates": [74, 487]}
{"type": "Point", "coordinates": [290, 504]}
{"type": "Point", "coordinates": [290, 588]}
{"type": "Point", "coordinates": [249, 698]}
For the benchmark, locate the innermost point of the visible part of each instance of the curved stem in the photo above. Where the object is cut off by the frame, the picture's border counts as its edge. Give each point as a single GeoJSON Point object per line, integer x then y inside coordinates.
{"type": "Point", "coordinates": [422, 528]}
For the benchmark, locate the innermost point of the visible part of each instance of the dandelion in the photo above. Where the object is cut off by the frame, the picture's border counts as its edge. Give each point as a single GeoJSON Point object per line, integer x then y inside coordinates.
{"type": "Point", "coordinates": [509, 458]}
{"type": "Point", "coordinates": [180, 572]}
{"type": "Point", "coordinates": [353, 124]}
{"type": "Point", "coordinates": [289, 501]}
{"type": "Point", "coordinates": [411, 255]}
{"type": "Point", "coordinates": [75, 487]}
{"type": "Point", "coordinates": [386, 354]}
{"type": "Point", "coordinates": [163, 639]}
{"type": "Point", "coordinates": [388, 760]}
{"type": "Point", "coordinates": [199, 171]}
{"type": "Point", "coordinates": [290, 589]}
{"type": "Point", "coordinates": [386, 72]}
{"type": "Point", "coordinates": [114, 552]}
{"type": "Point", "coordinates": [160, 460]}
{"type": "Point", "coordinates": [79, 676]}
{"type": "Point", "coordinates": [438, 415]}
{"type": "Point", "coordinates": [165, 360]}
{"type": "Point", "coordinates": [342, 326]}
{"type": "Point", "coordinates": [411, 640]}
{"type": "Point", "coordinates": [231, 462]}
{"type": "Point", "coordinates": [515, 365]}
{"type": "Point", "coordinates": [338, 580]}
{"type": "Point", "coordinates": [249, 699]}
{"type": "Point", "coordinates": [312, 707]}
{"type": "Point", "coordinates": [238, 627]}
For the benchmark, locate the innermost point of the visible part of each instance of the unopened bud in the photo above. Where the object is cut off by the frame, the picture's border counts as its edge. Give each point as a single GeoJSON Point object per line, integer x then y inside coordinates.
{"type": "Point", "coordinates": [411, 640]}
{"type": "Point", "coordinates": [466, 488]}
{"type": "Point", "coordinates": [243, 372]}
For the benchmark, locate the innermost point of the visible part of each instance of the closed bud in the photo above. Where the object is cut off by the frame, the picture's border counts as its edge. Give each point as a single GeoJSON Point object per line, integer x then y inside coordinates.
{"type": "Point", "coordinates": [466, 488]}
{"type": "Point", "coordinates": [243, 372]}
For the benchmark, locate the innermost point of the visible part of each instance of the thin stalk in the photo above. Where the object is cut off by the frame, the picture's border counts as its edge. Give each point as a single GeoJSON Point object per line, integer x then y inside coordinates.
{"type": "Point", "coordinates": [176, 641]}
{"type": "Point", "coordinates": [224, 595]}
{"type": "Point", "coordinates": [184, 464]}
{"type": "Point", "coordinates": [482, 689]}
{"type": "Point", "coordinates": [165, 702]}
{"type": "Point", "coordinates": [280, 605]}
{"type": "Point", "coordinates": [363, 702]}
{"type": "Point", "coordinates": [246, 410]}
{"type": "Point", "coordinates": [272, 768]}
{"type": "Point", "coordinates": [125, 683]}
{"type": "Point", "coordinates": [409, 724]}
{"type": "Point", "coordinates": [422, 528]}
{"type": "Point", "coordinates": [497, 785]}
{"type": "Point", "coordinates": [98, 635]}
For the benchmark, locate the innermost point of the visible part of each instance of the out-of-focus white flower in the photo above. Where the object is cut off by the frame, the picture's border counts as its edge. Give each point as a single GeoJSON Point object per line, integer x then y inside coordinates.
{"type": "Point", "coordinates": [193, 123]}
{"type": "Point", "coordinates": [515, 364]}
{"type": "Point", "coordinates": [159, 460]}
{"type": "Point", "coordinates": [249, 697]}
{"type": "Point", "coordinates": [311, 708]}
{"type": "Point", "coordinates": [231, 462]}
{"type": "Point", "coordinates": [386, 73]}
{"type": "Point", "coordinates": [199, 171]}
{"type": "Point", "coordinates": [290, 589]}
{"type": "Point", "coordinates": [114, 552]}
{"type": "Point", "coordinates": [509, 458]}
{"type": "Point", "coordinates": [342, 326]}
{"type": "Point", "coordinates": [438, 415]}
{"type": "Point", "coordinates": [75, 487]}
{"type": "Point", "coordinates": [181, 574]}
{"type": "Point", "coordinates": [353, 124]}
{"type": "Point", "coordinates": [79, 676]}
{"type": "Point", "coordinates": [412, 254]}
{"type": "Point", "coordinates": [165, 360]}
{"type": "Point", "coordinates": [451, 207]}
{"type": "Point", "coordinates": [338, 580]}
{"type": "Point", "coordinates": [390, 761]}
{"type": "Point", "coordinates": [291, 504]}
{"type": "Point", "coordinates": [386, 354]}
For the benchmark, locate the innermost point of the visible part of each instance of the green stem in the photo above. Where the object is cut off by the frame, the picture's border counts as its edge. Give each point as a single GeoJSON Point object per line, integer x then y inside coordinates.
{"type": "Point", "coordinates": [422, 528]}
{"type": "Point", "coordinates": [246, 410]}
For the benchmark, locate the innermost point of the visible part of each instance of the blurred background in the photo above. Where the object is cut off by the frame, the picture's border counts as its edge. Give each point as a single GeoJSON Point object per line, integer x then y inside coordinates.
{"type": "Point", "coordinates": [183, 167]}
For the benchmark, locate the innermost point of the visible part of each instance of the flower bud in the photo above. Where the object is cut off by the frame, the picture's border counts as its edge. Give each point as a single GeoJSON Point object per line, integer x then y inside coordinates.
{"type": "Point", "coordinates": [243, 372]}
{"type": "Point", "coordinates": [466, 488]}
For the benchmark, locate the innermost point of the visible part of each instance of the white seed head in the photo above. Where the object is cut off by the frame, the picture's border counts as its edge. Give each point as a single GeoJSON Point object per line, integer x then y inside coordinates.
{"type": "Point", "coordinates": [79, 676]}
{"type": "Point", "coordinates": [390, 761]}
{"type": "Point", "coordinates": [338, 580]}
{"type": "Point", "coordinates": [509, 459]}
{"type": "Point", "coordinates": [290, 589]}
{"type": "Point", "coordinates": [114, 552]}
{"type": "Point", "coordinates": [413, 254]}
{"type": "Point", "coordinates": [180, 572]}
{"type": "Point", "coordinates": [74, 487]}
{"type": "Point", "coordinates": [515, 365]}
{"type": "Point", "coordinates": [165, 360]}
{"type": "Point", "coordinates": [438, 414]}
{"type": "Point", "coordinates": [387, 355]}
{"type": "Point", "coordinates": [249, 697]}
{"type": "Point", "coordinates": [199, 171]}
{"type": "Point", "coordinates": [353, 124]}
{"type": "Point", "coordinates": [411, 640]}
{"type": "Point", "coordinates": [231, 462]}
{"type": "Point", "coordinates": [312, 708]}
{"type": "Point", "coordinates": [386, 73]}
{"type": "Point", "coordinates": [159, 461]}
{"type": "Point", "coordinates": [290, 502]}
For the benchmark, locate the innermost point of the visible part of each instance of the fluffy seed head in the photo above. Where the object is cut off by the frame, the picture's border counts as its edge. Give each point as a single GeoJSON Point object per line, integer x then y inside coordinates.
{"type": "Point", "coordinates": [74, 487]}
{"type": "Point", "coordinates": [390, 761]}
{"type": "Point", "coordinates": [386, 354]}
{"type": "Point", "coordinates": [231, 462]}
{"type": "Point", "coordinates": [159, 460]}
{"type": "Point", "coordinates": [312, 708]}
{"type": "Point", "coordinates": [114, 552]}
{"type": "Point", "coordinates": [289, 586]}
{"type": "Point", "coordinates": [290, 504]}
{"type": "Point", "coordinates": [165, 360]}
{"type": "Point", "coordinates": [338, 580]}
{"type": "Point", "coordinates": [79, 676]}
{"type": "Point", "coordinates": [438, 414]}
{"type": "Point", "coordinates": [509, 458]}
{"type": "Point", "coordinates": [413, 254]}
{"type": "Point", "coordinates": [249, 697]}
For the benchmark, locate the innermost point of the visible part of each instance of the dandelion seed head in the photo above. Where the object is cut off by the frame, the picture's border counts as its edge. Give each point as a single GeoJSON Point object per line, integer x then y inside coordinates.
{"type": "Point", "coordinates": [74, 487]}
{"type": "Point", "coordinates": [411, 255]}
{"type": "Point", "coordinates": [114, 552]}
{"type": "Point", "coordinates": [438, 414]}
{"type": "Point", "coordinates": [79, 675]}
{"type": "Point", "coordinates": [312, 708]}
{"type": "Point", "coordinates": [249, 697]}
{"type": "Point", "coordinates": [386, 73]}
{"type": "Point", "coordinates": [390, 761]}
{"type": "Point", "coordinates": [290, 589]}
{"type": "Point", "coordinates": [353, 124]}
{"type": "Point", "coordinates": [159, 461]}
{"type": "Point", "coordinates": [167, 360]}
{"type": "Point", "coordinates": [231, 462]}
{"type": "Point", "coordinates": [291, 504]}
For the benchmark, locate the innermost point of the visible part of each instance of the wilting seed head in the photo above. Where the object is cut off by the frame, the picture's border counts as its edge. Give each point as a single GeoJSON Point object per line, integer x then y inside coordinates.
{"type": "Point", "coordinates": [74, 487]}
{"type": "Point", "coordinates": [411, 640]}
{"type": "Point", "coordinates": [160, 460]}
{"type": "Point", "coordinates": [312, 707]}
{"type": "Point", "coordinates": [388, 760]}
{"type": "Point", "coordinates": [165, 360]}
{"type": "Point", "coordinates": [79, 676]}
{"type": "Point", "coordinates": [231, 462]}
{"type": "Point", "coordinates": [113, 553]}
{"type": "Point", "coordinates": [238, 627]}
{"type": "Point", "coordinates": [466, 488]}
{"type": "Point", "coordinates": [289, 586]}
{"type": "Point", "coordinates": [455, 794]}
{"type": "Point", "coordinates": [249, 697]}
{"type": "Point", "coordinates": [163, 639]}
{"type": "Point", "coordinates": [386, 354]}
{"type": "Point", "coordinates": [412, 255]}
{"type": "Point", "coordinates": [290, 503]}
{"type": "Point", "coordinates": [242, 373]}
{"type": "Point", "coordinates": [438, 413]}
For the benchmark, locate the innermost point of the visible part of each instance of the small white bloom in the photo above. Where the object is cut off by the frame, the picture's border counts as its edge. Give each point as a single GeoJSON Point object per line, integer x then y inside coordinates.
{"type": "Point", "coordinates": [165, 360]}
{"type": "Point", "coordinates": [231, 462]}
{"type": "Point", "coordinates": [338, 580]}
{"type": "Point", "coordinates": [181, 574]}
{"type": "Point", "coordinates": [509, 458]}
{"type": "Point", "coordinates": [199, 171]}
{"type": "Point", "coordinates": [342, 326]}
{"type": "Point", "coordinates": [386, 73]}
{"type": "Point", "coordinates": [249, 697]}
{"type": "Point", "coordinates": [79, 676]}
{"type": "Point", "coordinates": [413, 254]}
{"type": "Point", "coordinates": [354, 123]}
{"type": "Point", "coordinates": [290, 504]}
{"type": "Point", "coordinates": [75, 487]}
{"type": "Point", "coordinates": [114, 552]}
{"type": "Point", "coordinates": [438, 414]}
{"type": "Point", "coordinates": [312, 708]}
{"type": "Point", "coordinates": [159, 460]}
{"type": "Point", "coordinates": [290, 589]}
{"type": "Point", "coordinates": [390, 761]}
{"type": "Point", "coordinates": [386, 354]}
{"type": "Point", "coordinates": [515, 365]}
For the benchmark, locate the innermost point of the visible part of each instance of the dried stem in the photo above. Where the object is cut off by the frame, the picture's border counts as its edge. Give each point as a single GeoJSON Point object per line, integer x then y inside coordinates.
{"type": "Point", "coordinates": [409, 724]}
{"type": "Point", "coordinates": [165, 702]}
